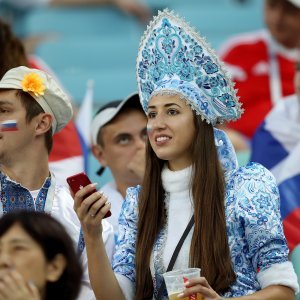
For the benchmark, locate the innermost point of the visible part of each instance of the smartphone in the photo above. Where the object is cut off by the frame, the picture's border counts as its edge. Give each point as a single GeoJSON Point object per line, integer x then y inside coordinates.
{"type": "Point", "coordinates": [78, 181]}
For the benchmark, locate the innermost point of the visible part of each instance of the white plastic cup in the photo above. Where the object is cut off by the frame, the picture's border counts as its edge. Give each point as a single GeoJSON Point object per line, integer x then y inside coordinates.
{"type": "Point", "coordinates": [175, 282]}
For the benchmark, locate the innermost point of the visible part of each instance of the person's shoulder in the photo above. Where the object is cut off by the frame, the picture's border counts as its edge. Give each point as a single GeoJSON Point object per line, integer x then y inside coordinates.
{"type": "Point", "coordinates": [132, 193]}
{"type": "Point", "coordinates": [130, 204]}
{"type": "Point", "coordinates": [253, 171]}
{"type": "Point", "coordinates": [131, 199]}
{"type": "Point", "coordinates": [62, 197]}
{"type": "Point", "coordinates": [110, 190]}
{"type": "Point", "coordinates": [253, 188]}
{"type": "Point", "coordinates": [62, 190]}
{"type": "Point", "coordinates": [243, 43]}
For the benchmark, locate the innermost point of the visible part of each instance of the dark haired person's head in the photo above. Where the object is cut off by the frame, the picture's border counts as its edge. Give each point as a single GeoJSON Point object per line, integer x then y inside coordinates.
{"type": "Point", "coordinates": [39, 248]}
{"type": "Point", "coordinates": [41, 97]}
{"type": "Point", "coordinates": [118, 136]}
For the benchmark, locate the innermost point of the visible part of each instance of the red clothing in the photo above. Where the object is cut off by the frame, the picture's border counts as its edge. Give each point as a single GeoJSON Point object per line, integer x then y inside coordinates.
{"type": "Point", "coordinates": [66, 157]}
{"type": "Point", "coordinates": [248, 60]}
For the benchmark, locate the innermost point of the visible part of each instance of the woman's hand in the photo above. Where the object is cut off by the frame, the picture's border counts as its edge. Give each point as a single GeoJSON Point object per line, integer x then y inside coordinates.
{"type": "Point", "coordinates": [201, 286]}
{"type": "Point", "coordinates": [91, 206]}
{"type": "Point", "coordinates": [14, 287]}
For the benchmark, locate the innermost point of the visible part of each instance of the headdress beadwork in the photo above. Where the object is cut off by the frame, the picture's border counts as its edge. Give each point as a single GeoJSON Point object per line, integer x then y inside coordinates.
{"type": "Point", "coordinates": [174, 59]}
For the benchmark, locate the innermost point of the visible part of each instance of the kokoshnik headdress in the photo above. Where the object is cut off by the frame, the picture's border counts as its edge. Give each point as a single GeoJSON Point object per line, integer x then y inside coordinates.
{"type": "Point", "coordinates": [174, 59]}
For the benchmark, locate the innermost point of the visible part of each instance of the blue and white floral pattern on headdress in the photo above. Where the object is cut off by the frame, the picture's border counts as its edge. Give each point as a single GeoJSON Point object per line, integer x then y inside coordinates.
{"type": "Point", "coordinates": [174, 59]}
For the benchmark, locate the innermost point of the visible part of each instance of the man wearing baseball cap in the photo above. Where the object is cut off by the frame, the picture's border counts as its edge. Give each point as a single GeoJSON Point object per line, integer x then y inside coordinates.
{"type": "Point", "coordinates": [32, 108]}
{"type": "Point", "coordinates": [262, 63]}
{"type": "Point", "coordinates": [118, 137]}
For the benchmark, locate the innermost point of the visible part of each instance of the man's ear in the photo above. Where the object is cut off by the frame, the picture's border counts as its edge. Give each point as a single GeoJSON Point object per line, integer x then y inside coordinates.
{"type": "Point", "coordinates": [43, 123]}
{"type": "Point", "coordinates": [99, 154]}
{"type": "Point", "coordinates": [55, 268]}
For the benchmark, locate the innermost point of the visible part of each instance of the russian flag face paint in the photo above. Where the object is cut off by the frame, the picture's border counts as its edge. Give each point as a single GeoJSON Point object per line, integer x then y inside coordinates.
{"type": "Point", "coordinates": [9, 125]}
{"type": "Point", "coordinates": [149, 130]}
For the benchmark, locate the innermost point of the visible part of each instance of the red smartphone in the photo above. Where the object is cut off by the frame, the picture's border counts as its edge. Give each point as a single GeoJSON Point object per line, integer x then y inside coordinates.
{"type": "Point", "coordinates": [78, 181]}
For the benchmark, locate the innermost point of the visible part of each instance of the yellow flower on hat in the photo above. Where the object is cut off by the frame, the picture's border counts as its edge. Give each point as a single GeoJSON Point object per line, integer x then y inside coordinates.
{"type": "Point", "coordinates": [33, 83]}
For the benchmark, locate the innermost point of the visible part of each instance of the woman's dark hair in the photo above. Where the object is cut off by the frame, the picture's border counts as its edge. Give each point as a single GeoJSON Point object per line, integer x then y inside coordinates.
{"type": "Point", "coordinates": [53, 239]}
{"type": "Point", "coordinates": [209, 247]}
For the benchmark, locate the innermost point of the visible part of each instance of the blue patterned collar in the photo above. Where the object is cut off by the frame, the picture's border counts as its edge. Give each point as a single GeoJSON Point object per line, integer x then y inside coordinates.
{"type": "Point", "coordinates": [16, 197]}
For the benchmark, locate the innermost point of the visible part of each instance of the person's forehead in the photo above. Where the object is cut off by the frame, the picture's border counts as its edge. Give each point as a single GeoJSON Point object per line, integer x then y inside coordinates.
{"type": "Point", "coordinates": [8, 95]}
{"type": "Point", "coordinates": [162, 100]}
{"type": "Point", "coordinates": [129, 122]}
{"type": "Point", "coordinates": [15, 233]}
{"type": "Point", "coordinates": [126, 115]}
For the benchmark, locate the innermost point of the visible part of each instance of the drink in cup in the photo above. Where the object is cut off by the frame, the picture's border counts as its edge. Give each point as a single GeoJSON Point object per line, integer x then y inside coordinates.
{"type": "Point", "coordinates": [175, 282]}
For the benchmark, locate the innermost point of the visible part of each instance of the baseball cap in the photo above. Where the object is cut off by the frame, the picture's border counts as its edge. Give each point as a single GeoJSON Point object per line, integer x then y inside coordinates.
{"type": "Point", "coordinates": [109, 111]}
{"type": "Point", "coordinates": [295, 2]}
{"type": "Point", "coordinates": [44, 89]}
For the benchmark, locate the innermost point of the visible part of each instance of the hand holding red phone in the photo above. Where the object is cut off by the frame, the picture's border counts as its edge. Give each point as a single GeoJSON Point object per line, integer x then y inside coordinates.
{"type": "Point", "coordinates": [90, 205]}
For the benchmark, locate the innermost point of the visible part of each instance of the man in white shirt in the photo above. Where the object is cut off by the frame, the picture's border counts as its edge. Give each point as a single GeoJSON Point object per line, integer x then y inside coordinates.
{"type": "Point", "coordinates": [118, 136]}
{"type": "Point", "coordinates": [32, 108]}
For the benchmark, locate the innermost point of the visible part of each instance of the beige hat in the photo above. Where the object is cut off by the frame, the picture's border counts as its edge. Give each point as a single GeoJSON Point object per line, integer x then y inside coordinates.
{"type": "Point", "coordinates": [44, 89]}
{"type": "Point", "coordinates": [295, 2]}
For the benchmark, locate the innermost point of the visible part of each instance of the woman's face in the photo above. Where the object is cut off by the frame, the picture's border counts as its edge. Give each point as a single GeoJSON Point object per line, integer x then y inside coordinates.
{"type": "Point", "coordinates": [20, 252]}
{"type": "Point", "coordinates": [171, 130]}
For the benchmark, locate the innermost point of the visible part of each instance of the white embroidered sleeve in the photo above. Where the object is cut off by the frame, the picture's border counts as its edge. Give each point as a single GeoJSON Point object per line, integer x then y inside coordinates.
{"type": "Point", "coordinates": [279, 274]}
{"type": "Point", "coordinates": [126, 286]}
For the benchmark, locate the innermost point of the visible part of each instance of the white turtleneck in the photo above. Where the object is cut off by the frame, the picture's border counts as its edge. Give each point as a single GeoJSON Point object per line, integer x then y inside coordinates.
{"type": "Point", "coordinates": [177, 185]}
{"type": "Point", "coordinates": [180, 209]}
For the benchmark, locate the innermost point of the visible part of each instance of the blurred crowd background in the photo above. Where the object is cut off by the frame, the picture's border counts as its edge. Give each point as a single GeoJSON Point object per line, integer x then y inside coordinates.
{"type": "Point", "coordinates": [92, 48]}
{"type": "Point", "coordinates": [98, 43]}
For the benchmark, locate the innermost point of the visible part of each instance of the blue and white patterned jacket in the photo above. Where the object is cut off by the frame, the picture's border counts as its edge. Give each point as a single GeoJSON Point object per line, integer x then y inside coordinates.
{"type": "Point", "coordinates": [259, 251]}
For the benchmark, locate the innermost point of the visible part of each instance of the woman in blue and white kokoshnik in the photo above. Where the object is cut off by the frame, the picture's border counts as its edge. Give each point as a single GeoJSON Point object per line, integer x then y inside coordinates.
{"type": "Point", "coordinates": [191, 170]}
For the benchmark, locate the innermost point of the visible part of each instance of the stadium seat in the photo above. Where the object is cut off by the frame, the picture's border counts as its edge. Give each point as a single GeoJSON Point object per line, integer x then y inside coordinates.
{"type": "Point", "coordinates": [80, 22]}
{"type": "Point", "coordinates": [108, 84]}
{"type": "Point", "coordinates": [90, 53]}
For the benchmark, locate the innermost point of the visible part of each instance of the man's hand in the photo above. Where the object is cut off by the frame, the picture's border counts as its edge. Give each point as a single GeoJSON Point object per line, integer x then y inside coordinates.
{"type": "Point", "coordinates": [137, 164]}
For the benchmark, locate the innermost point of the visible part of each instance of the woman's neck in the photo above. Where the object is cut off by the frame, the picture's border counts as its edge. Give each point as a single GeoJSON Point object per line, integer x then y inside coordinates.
{"type": "Point", "coordinates": [175, 181]}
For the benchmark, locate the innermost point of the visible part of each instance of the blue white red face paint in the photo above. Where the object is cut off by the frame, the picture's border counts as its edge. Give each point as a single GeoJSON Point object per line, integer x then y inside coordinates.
{"type": "Point", "coordinates": [8, 125]}
{"type": "Point", "coordinates": [149, 130]}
